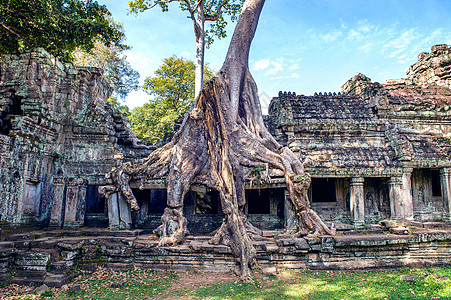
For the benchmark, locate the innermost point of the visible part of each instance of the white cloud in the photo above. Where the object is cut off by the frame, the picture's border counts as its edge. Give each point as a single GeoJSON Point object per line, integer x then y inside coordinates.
{"type": "Point", "coordinates": [366, 47]}
{"type": "Point", "coordinates": [136, 98]}
{"type": "Point", "coordinates": [295, 75]}
{"type": "Point", "coordinates": [261, 64]}
{"type": "Point", "coordinates": [331, 36]}
{"type": "Point", "coordinates": [276, 67]}
{"type": "Point", "coordinates": [293, 67]}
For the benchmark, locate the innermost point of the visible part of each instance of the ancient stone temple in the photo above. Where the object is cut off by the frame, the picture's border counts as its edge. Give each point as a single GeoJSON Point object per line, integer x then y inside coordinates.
{"type": "Point", "coordinates": [58, 138]}
{"type": "Point", "coordinates": [375, 151]}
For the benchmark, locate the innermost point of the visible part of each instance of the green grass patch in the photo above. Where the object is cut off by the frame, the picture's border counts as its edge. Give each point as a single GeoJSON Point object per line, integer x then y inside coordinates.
{"type": "Point", "coordinates": [131, 284]}
{"type": "Point", "coordinates": [433, 284]}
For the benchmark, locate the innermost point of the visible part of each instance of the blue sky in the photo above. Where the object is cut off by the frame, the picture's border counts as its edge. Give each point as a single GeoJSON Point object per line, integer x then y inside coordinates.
{"type": "Point", "coordinates": [303, 46]}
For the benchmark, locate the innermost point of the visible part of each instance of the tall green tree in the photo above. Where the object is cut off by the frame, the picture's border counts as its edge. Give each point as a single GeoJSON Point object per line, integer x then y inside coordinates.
{"type": "Point", "coordinates": [59, 26]}
{"type": "Point", "coordinates": [199, 11]}
{"type": "Point", "coordinates": [172, 88]}
{"type": "Point", "coordinates": [117, 70]}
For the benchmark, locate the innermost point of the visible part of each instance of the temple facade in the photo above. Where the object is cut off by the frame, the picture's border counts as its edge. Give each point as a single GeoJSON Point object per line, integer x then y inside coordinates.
{"type": "Point", "coordinates": [375, 151]}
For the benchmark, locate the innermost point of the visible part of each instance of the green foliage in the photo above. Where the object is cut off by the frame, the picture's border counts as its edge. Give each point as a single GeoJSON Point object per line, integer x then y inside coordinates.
{"type": "Point", "coordinates": [172, 89]}
{"type": "Point", "coordinates": [118, 107]}
{"type": "Point", "coordinates": [59, 26]}
{"type": "Point", "coordinates": [214, 11]}
{"type": "Point", "coordinates": [117, 70]}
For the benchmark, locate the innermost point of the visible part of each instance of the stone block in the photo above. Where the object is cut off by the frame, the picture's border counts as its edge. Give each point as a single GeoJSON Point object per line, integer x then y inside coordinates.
{"type": "Point", "coordinates": [33, 261]}
{"type": "Point", "coordinates": [56, 280]}
{"type": "Point", "coordinates": [301, 244]}
{"type": "Point", "coordinates": [285, 242]}
{"type": "Point", "coordinates": [399, 230]}
{"type": "Point", "coordinates": [271, 247]}
{"type": "Point", "coordinates": [69, 255]}
{"type": "Point", "coordinates": [71, 245]}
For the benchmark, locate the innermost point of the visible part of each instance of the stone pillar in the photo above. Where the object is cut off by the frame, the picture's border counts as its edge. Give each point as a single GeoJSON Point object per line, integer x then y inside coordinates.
{"type": "Point", "coordinates": [74, 213]}
{"type": "Point", "coordinates": [119, 213]}
{"type": "Point", "coordinates": [406, 194]}
{"type": "Point", "coordinates": [125, 214]}
{"type": "Point", "coordinates": [58, 203]}
{"type": "Point", "coordinates": [291, 220]}
{"type": "Point", "coordinates": [113, 211]}
{"type": "Point", "coordinates": [445, 180]}
{"type": "Point", "coordinates": [357, 201]}
{"type": "Point", "coordinates": [395, 193]}
{"type": "Point", "coordinates": [400, 193]}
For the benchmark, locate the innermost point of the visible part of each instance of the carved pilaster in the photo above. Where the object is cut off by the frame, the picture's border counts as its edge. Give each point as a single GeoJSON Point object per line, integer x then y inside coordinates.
{"type": "Point", "coordinates": [406, 193]}
{"type": "Point", "coordinates": [357, 201]}
{"type": "Point", "coordinates": [75, 206]}
{"type": "Point", "coordinates": [445, 180]}
{"type": "Point", "coordinates": [395, 194]}
{"type": "Point", "coordinates": [58, 203]}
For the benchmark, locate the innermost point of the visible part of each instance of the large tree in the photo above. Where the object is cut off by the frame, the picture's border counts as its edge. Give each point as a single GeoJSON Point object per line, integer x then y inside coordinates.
{"type": "Point", "coordinates": [220, 143]}
{"type": "Point", "coordinates": [172, 89]}
{"type": "Point", "coordinates": [199, 11]}
{"type": "Point", "coordinates": [59, 26]}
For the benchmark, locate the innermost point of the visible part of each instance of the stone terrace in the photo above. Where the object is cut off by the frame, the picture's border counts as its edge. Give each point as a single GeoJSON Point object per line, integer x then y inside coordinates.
{"type": "Point", "coordinates": [52, 257]}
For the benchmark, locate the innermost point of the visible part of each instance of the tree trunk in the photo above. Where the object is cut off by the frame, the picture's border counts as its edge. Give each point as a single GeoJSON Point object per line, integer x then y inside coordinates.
{"type": "Point", "coordinates": [222, 139]}
{"type": "Point", "coordinates": [199, 30]}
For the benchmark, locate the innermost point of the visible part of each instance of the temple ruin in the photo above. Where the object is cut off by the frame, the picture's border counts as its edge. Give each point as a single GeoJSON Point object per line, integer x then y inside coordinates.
{"type": "Point", "coordinates": [376, 152]}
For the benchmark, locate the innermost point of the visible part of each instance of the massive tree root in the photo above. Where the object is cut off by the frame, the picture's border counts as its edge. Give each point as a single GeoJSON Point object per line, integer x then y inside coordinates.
{"type": "Point", "coordinates": [222, 139]}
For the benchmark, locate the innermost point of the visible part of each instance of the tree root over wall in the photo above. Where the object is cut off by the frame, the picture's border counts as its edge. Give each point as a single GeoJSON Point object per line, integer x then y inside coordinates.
{"type": "Point", "coordinates": [221, 141]}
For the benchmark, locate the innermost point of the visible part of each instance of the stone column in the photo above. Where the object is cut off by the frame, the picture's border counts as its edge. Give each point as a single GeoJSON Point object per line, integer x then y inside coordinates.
{"type": "Point", "coordinates": [395, 193]}
{"type": "Point", "coordinates": [119, 213]}
{"type": "Point", "coordinates": [400, 193]}
{"type": "Point", "coordinates": [113, 211]}
{"type": "Point", "coordinates": [125, 214]}
{"type": "Point", "coordinates": [445, 180]}
{"type": "Point", "coordinates": [75, 208]}
{"type": "Point", "coordinates": [58, 203]}
{"type": "Point", "coordinates": [357, 201]}
{"type": "Point", "coordinates": [406, 194]}
{"type": "Point", "coordinates": [289, 213]}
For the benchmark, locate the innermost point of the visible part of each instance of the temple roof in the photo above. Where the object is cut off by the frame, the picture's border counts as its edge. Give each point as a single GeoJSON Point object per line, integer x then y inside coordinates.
{"type": "Point", "coordinates": [327, 106]}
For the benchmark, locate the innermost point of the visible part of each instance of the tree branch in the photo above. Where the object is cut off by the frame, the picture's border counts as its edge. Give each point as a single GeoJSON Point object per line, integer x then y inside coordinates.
{"type": "Point", "coordinates": [217, 13]}
{"type": "Point", "coordinates": [190, 10]}
{"type": "Point", "coordinates": [16, 33]}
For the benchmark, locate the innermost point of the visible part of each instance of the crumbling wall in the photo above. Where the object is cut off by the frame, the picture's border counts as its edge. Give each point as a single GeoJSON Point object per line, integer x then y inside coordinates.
{"type": "Point", "coordinates": [56, 127]}
{"type": "Point", "coordinates": [433, 67]}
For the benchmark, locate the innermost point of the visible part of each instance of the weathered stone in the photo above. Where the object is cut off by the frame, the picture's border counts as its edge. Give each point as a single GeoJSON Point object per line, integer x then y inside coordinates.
{"type": "Point", "coordinates": [269, 271]}
{"type": "Point", "coordinates": [409, 278]}
{"type": "Point", "coordinates": [41, 289]}
{"type": "Point", "coordinates": [33, 261]}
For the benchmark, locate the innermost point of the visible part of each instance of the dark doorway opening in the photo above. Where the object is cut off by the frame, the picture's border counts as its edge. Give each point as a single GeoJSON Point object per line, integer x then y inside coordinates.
{"type": "Point", "coordinates": [207, 204]}
{"type": "Point", "coordinates": [436, 185]}
{"type": "Point", "coordinates": [96, 209]}
{"type": "Point", "coordinates": [155, 200]}
{"type": "Point", "coordinates": [323, 190]}
{"type": "Point", "coordinates": [94, 203]}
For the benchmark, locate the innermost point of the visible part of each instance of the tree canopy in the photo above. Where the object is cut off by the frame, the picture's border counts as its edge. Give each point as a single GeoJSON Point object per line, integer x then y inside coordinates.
{"type": "Point", "coordinates": [214, 11]}
{"type": "Point", "coordinates": [59, 26]}
{"type": "Point", "coordinates": [172, 89]}
{"type": "Point", "coordinates": [117, 70]}
{"type": "Point", "coordinates": [199, 11]}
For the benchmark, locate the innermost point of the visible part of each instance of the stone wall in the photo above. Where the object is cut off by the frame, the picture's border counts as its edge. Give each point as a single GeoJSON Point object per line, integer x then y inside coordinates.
{"type": "Point", "coordinates": [58, 134]}
{"type": "Point", "coordinates": [383, 140]}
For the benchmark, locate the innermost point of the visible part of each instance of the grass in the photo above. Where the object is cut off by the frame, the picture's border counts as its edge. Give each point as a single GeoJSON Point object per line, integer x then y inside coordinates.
{"type": "Point", "coordinates": [288, 284]}
{"type": "Point", "coordinates": [131, 284]}
{"type": "Point", "coordinates": [338, 285]}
